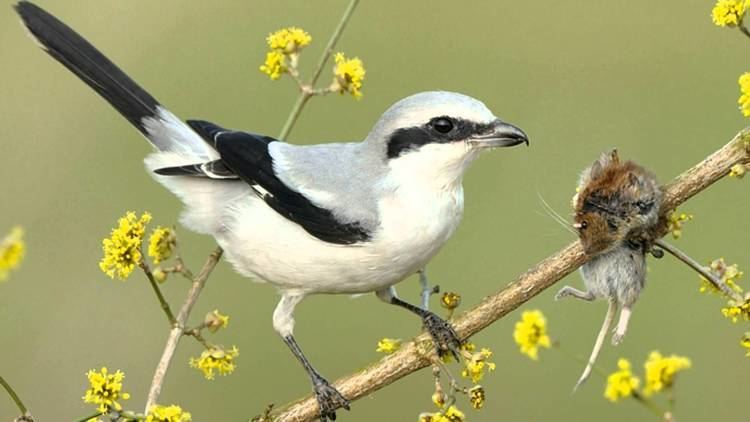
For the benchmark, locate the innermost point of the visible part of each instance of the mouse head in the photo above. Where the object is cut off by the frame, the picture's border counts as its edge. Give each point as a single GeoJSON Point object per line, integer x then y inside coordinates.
{"type": "Point", "coordinates": [599, 232]}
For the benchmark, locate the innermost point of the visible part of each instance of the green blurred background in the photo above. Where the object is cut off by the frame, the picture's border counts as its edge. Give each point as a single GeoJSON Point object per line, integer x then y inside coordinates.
{"type": "Point", "coordinates": [656, 79]}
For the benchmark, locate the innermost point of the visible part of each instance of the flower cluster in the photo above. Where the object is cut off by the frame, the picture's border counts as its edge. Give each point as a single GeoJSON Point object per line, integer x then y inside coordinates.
{"type": "Point", "coordinates": [675, 222]}
{"type": "Point", "coordinates": [621, 383]}
{"type": "Point", "coordinates": [105, 389]}
{"type": "Point", "coordinates": [171, 413]}
{"type": "Point", "coordinates": [12, 250]}
{"type": "Point", "coordinates": [728, 12]}
{"type": "Point", "coordinates": [285, 45]}
{"type": "Point", "coordinates": [729, 274]}
{"type": "Point", "coordinates": [122, 250]}
{"type": "Point", "coordinates": [283, 57]}
{"type": "Point", "coordinates": [161, 244]}
{"type": "Point", "coordinates": [215, 321]}
{"type": "Point", "coordinates": [745, 342]}
{"type": "Point", "coordinates": [388, 345]}
{"type": "Point", "coordinates": [531, 333]}
{"type": "Point", "coordinates": [660, 373]}
{"type": "Point", "coordinates": [736, 310]}
{"type": "Point", "coordinates": [215, 359]}
{"type": "Point", "coordinates": [476, 396]}
{"type": "Point", "coordinates": [738, 170]}
{"type": "Point", "coordinates": [348, 75]}
{"type": "Point", "coordinates": [450, 300]}
{"type": "Point", "coordinates": [451, 414]}
{"type": "Point", "coordinates": [288, 40]}
{"type": "Point", "coordinates": [744, 100]}
{"type": "Point", "coordinates": [477, 363]}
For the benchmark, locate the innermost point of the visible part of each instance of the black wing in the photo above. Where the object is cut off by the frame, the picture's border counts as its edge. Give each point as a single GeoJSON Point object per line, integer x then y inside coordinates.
{"type": "Point", "coordinates": [245, 156]}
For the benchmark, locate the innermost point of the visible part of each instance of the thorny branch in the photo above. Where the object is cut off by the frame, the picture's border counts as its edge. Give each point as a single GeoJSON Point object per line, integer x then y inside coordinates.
{"type": "Point", "coordinates": [408, 359]}
{"type": "Point", "coordinates": [179, 327]}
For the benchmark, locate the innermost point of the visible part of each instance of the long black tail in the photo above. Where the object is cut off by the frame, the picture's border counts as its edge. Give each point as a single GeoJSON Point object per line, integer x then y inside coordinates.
{"type": "Point", "coordinates": [83, 59]}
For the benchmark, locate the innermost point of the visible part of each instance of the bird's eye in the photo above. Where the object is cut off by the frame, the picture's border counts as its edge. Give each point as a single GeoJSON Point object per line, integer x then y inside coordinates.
{"type": "Point", "coordinates": [584, 224]}
{"type": "Point", "coordinates": [442, 125]}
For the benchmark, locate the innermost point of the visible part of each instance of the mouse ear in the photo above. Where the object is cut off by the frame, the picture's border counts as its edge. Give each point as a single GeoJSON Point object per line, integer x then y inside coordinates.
{"type": "Point", "coordinates": [596, 169]}
{"type": "Point", "coordinates": [614, 156]}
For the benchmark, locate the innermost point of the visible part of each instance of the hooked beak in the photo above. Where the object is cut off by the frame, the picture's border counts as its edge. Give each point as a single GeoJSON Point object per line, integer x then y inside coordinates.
{"type": "Point", "coordinates": [502, 135]}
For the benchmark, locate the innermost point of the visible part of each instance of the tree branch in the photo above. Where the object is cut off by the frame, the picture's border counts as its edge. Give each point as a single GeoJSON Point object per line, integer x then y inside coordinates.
{"type": "Point", "coordinates": [524, 288]}
{"type": "Point", "coordinates": [178, 329]}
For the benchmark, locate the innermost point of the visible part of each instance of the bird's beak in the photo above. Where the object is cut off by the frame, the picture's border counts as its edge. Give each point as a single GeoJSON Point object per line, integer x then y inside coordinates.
{"type": "Point", "coordinates": [502, 135]}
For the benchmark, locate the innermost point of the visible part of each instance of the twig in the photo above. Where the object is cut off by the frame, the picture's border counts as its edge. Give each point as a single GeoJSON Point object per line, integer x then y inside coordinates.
{"type": "Point", "coordinates": [154, 285]}
{"type": "Point", "coordinates": [700, 269]}
{"type": "Point", "coordinates": [178, 329]}
{"type": "Point", "coordinates": [534, 281]}
{"type": "Point", "coordinates": [742, 28]}
{"type": "Point", "coordinates": [305, 95]}
{"type": "Point", "coordinates": [14, 396]}
{"type": "Point", "coordinates": [88, 418]}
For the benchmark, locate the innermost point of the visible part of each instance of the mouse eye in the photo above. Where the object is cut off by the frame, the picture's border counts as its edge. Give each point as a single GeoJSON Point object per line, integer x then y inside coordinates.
{"type": "Point", "coordinates": [442, 124]}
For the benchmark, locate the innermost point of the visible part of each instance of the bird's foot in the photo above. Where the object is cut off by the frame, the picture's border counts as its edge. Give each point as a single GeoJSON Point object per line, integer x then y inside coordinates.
{"type": "Point", "coordinates": [443, 335]}
{"type": "Point", "coordinates": [329, 399]}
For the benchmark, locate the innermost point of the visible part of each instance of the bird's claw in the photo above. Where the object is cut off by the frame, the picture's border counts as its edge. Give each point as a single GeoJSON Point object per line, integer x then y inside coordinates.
{"type": "Point", "coordinates": [443, 335]}
{"type": "Point", "coordinates": [329, 399]}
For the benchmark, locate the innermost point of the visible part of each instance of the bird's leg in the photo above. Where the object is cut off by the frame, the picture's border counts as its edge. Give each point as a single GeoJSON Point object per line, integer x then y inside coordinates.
{"type": "Point", "coordinates": [329, 399]}
{"type": "Point", "coordinates": [443, 335]}
{"type": "Point", "coordinates": [578, 294]}
{"type": "Point", "coordinates": [426, 291]}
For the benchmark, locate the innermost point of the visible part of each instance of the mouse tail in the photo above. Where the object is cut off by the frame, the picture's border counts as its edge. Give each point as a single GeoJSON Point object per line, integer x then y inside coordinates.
{"type": "Point", "coordinates": [606, 326]}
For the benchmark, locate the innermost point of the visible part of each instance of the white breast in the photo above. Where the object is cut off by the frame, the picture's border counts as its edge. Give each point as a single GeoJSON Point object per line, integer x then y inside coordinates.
{"type": "Point", "coordinates": [415, 224]}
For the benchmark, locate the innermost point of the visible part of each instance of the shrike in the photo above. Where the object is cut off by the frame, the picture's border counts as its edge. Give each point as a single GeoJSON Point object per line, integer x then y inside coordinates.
{"type": "Point", "coordinates": [332, 218]}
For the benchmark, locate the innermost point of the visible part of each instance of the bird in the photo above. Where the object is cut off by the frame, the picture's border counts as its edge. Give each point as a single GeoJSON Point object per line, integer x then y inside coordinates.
{"type": "Point", "coordinates": [616, 206]}
{"type": "Point", "coordinates": [333, 218]}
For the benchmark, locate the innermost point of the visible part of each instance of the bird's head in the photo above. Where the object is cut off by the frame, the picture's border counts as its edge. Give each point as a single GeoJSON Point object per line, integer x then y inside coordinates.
{"type": "Point", "coordinates": [437, 134]}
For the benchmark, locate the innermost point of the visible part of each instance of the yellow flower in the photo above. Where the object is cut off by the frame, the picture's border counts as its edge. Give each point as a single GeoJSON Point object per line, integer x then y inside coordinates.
{"type": "Point", "coordinates": [744, 100]}
{"type": "Point", "coordinates": [105, 390]}
{"type": "Point", "coordinates": [12, 250]}
{"type": "Point", "coordinates": [215, 321]}
{"type": "Point", "coordinates": [217, 359]}
{"type": "Point", "coordinates": [729, 274]}
{"type": "Point", "coordinates": [531, 333]}
{"type": "Point", "coordinates": [728, 12]}
{"type": "Point", "coordinates": [439, 399]}
{"type": "Point", "coordinates": [477, 364]}
{"type": "Point", "coordinates": [388, 345]}
{"type": "Point", "coordinates": [621, 383]}
{"type": "Point", "coordinates": [745, 342]}
{"type": "Point", "coordinates": [274, 65]}
{"type": "Point", "coordinates": [661, 371]}
{"type": "Point", "coordinates": [454, 415]}
{"type": "Point", "coordinates": [288, 40]}
{"type": "Point", "coordinates": [735, 310]}
{"type": "Point", "coordinates": [476, 397]}
{"type": "Point", "coordinates": [171, 413]}
{"type": "Point", "coordinates": [450, 300]}
{"type": "Point", "coordinates": [348, 75]}
{"type": "Point", "coordinates": [675, 222]}
{"type": "Point", "coordinates": [122, 250]}
{"type": "Point", "coordinates": [465, 349]}
{"type": "Point", "coordinates": [161, 244]}
{"type": "Point", "coordinates": [738, 171]}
